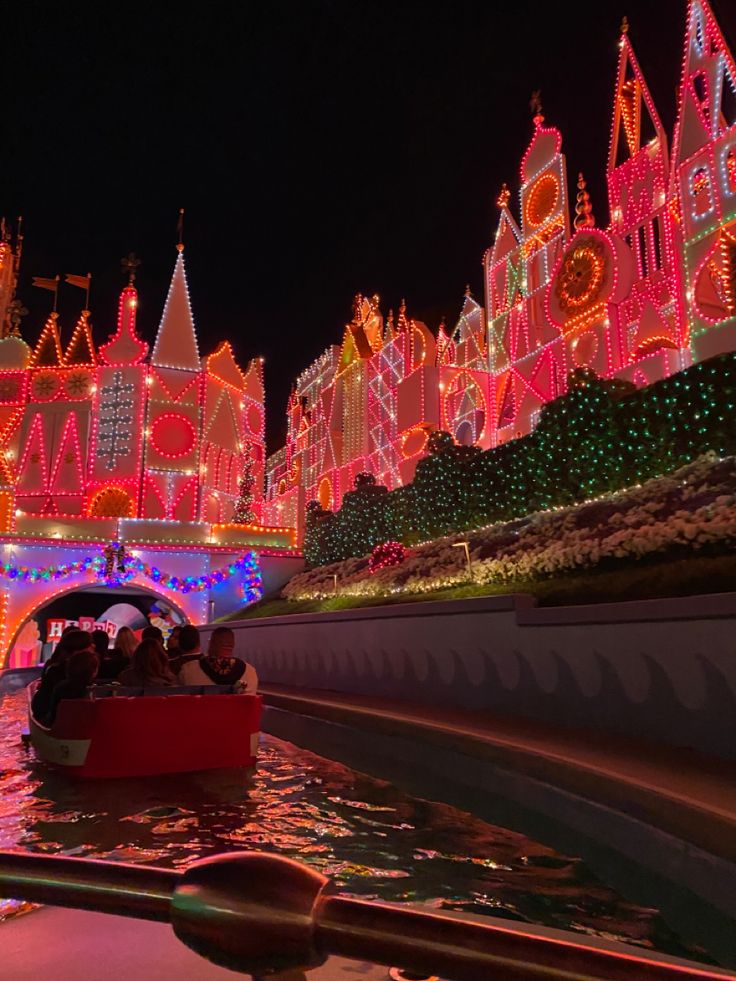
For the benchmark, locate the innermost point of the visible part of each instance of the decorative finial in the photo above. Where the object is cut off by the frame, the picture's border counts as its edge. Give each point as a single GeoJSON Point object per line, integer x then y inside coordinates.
{"type": "Point", "coordinates": [16, 312]}
{"type": "Point", "coordinates": [584, 217]}
{"type": "Point", "coordinates": [180, 231]}
{"type": "Point", "coordinates": [504, 196]}
{"type": "Point", "coordinates": [129, 265]}
{"type": "Point", "coordinates": [535, 104]}
{"type": "Point", "coordinates": [625, 25]}
{"type": "Point", "coordinates": [468, 291]}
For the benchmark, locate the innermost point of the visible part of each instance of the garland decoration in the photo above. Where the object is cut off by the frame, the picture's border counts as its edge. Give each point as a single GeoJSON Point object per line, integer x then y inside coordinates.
{"type": "Point", "coordinates": [127, 568]}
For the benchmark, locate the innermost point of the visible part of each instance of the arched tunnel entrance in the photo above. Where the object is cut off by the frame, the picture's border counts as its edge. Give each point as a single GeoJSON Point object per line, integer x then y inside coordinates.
{"type": "Point", "coordinates": [109, 607]}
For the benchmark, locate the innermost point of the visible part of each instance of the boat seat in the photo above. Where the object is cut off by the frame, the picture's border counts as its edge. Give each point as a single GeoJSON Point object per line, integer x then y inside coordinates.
{"type": "Point", "coordinates": [191, 690]}
{"type": "Point", "coordinates": [122, 691]}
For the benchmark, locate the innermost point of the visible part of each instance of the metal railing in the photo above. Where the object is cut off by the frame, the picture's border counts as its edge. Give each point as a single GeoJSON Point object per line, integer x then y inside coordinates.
{"type": "Point", "coordinates": [259, 913]}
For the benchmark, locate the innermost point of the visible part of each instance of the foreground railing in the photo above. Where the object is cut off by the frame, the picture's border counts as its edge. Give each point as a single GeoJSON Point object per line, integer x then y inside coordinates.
{"type": "Point", "coordinates": [260, 913]}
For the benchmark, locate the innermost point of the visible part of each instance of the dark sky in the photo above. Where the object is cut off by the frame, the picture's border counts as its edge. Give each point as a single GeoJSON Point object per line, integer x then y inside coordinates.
{"type": "Point", "coordinates": [320, 149]}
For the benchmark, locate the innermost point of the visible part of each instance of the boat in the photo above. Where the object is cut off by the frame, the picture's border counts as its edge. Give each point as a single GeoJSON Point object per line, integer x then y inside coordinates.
{"type": "Point", "coordinates": [133, 732]}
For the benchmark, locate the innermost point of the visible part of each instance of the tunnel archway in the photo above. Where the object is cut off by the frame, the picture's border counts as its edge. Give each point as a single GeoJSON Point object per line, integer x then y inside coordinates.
{"type": "Point", "coordinates": [100, 597]}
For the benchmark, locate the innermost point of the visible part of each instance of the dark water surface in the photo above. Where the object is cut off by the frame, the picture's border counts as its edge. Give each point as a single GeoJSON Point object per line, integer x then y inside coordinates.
{"type": "Point", "coordinates": [371, 838]}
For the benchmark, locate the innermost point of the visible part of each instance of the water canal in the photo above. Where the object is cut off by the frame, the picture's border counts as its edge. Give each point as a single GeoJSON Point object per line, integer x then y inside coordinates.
{"type": "Point", "coordinates": [371, 838]}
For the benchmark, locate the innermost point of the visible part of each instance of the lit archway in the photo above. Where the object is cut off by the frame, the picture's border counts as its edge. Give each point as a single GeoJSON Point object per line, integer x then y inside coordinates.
{"type": "Point", "coordinates": [125, 589]}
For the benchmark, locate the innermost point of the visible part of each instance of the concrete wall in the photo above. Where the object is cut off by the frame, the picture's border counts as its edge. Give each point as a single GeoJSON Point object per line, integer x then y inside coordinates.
{"type": "Point", "coordinates": [659, 669]}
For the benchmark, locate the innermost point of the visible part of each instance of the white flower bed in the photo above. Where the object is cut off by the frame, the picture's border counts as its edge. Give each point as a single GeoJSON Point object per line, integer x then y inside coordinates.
{"type": "Point", "coordinates": [691, 509]}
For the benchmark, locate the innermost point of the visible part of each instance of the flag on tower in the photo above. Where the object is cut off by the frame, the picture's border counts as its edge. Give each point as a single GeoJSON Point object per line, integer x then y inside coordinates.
{"type": "Point", "coordinates": [81, 281]}
{"type": "Point", "coordinates": [46, 284]}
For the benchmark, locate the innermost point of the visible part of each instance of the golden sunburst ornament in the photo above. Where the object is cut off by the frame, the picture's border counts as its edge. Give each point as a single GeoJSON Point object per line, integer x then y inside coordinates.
{"type": "Point", "coordinates": [581, 277]}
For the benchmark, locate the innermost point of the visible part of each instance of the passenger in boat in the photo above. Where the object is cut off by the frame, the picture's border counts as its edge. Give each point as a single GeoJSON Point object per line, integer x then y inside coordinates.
{"type": "Point", "coordinates": [153, 633]}
{"type": "Point", "coordinates": [81, 671]}
{"type": "Point", "coordinates": [101, 641]}
{"type": "Point", "coordinates": [190, 648]}
{"type": "Point", "coordinates": [172, 644]}
{"type": "Point", "coordinates": [54, 671]}
{"type": "Point", "coordinates": [150, 668]}
{"type": "Point", "coordinates": [121, 657]}
{"type": "Point", "coordinates": [218, 666]}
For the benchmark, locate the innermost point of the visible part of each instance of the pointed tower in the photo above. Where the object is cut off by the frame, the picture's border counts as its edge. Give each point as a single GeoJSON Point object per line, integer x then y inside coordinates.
{"type": "Point", "coordinates": [507, 324]}
{"type": "Point", "coordinates": [648, 324]}
{"type": "Point", "coordinates": [526, 353]}
{"type": "Point", "coordinates": [172, 454]}
{"type": "Point", "coordinates": [703, 187]}
{"type": "Point", "coordinates": [15, 354]}
{"type": "Point", "coordinates": [117, 444]}
{"type": "Point", "coordinates": [464, 384]}
{"type": "Point", "coordinates": [233, 428]}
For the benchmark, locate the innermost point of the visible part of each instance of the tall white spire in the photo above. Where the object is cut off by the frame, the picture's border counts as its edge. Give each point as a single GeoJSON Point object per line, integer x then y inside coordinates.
{"type": "Point", "coordinates": [176, 341]}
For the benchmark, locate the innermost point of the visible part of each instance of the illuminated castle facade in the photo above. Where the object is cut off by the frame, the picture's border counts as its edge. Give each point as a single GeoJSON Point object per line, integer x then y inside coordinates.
{"type": "Point", "coordinates": [121, 432]}
{"type": "Point", "coordinates": [639, 299]}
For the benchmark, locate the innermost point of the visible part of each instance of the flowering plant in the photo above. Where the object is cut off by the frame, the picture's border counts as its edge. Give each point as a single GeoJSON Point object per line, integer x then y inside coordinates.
{"type": "Point", "coordinates": [690, 510]}
{"type": "Point", "coordinates": [386, 554]}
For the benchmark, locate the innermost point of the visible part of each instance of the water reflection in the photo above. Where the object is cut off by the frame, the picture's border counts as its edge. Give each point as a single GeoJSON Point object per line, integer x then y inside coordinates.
{"type": "Point", "coordinates": [373, 840]}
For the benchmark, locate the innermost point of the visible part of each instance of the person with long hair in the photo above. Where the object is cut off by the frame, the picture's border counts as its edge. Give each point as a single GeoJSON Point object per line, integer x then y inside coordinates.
{"type": "Point", "coordinates": [81, 671]}
{"type": "Point", "coordinates": [54, 671]}
{"type": "Point", "coordinates": [150, 668]}
{"type": "Point", "coordinates": [121, 657]}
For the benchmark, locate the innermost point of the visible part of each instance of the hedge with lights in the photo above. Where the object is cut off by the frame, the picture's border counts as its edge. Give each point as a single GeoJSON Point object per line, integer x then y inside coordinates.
{"type": "Point", "coordinates": [601, 436]}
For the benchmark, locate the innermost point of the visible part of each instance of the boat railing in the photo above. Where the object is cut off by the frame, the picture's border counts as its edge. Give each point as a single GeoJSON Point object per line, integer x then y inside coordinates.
{"type": "Point", "coordinates": [258, 914]}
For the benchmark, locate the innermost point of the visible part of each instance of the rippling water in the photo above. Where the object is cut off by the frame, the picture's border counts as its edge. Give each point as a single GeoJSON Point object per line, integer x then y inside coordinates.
{"type": "Point", "coordinates": [368, 836]}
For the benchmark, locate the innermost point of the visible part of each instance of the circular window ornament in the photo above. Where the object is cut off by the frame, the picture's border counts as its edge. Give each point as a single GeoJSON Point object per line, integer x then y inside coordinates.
{"type": "Point", "coordinates": [324, 494]}
{"type": "Point", "coordinates": [595, 269]}
{"type": "Point", "coordinates": [414, 441]}
{"type": "Point", "coordinates": [584, 349]}
{"type": "Point", "coordinates": [173, 435]}
{"type": "Point", "coordinates": [78, 384]}
{"type": "Point", "coordinates": [45, 386]}
{"type": "Point", "coordinates": [542, 201]}
{"type": "Point", "coordinates": [111, 502]}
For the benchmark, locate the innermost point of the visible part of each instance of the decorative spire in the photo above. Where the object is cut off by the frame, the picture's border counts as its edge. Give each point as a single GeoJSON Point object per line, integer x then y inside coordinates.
{"type": "Point", "coordinates": [180, 230]}
{"type": "Point", "coordinates": [125, 346]}
{"type": "Point", "coordinates": [535, 104]}
{"type": "Point", "coordinates": [468, 291]}
{"type": "Point", "coordinates": [129, 265]}
{"type": "Point", "coordinates": [504, 196]}
{"type": "Point", "coordinates": [625, 25]}
{"type": "Point", "coordinates": [584, 217]}
{"type": "Point", "coordinates": [402, 323]}
{"type": "Point", "coordinates": [176, 341]}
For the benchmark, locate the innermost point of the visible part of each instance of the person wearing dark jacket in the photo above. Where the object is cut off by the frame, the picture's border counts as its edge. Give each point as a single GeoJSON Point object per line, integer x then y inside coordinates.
{"type": "Point", "coordinates": [54, 670]}
{"type": "Point", "coordinates": [218, 666]}
{"type": "Point", "coordinates": [81, 671]}
{"type": "Point", "coordinates": [189, 648]}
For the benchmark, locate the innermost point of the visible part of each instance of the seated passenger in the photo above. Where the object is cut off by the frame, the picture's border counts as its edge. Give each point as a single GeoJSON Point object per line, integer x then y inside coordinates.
{"type": "Point", "coordinates": [218, 666]}
{"type": "Point", "coordinates": [54, 670]}
{"type": "Point", "coordinates": [153, 633]}
{"type": "Point", "coordinates": [150, 667]}
{"type": "Point", "coordinates": [81, 671]}
{"type": "Point", "coordinates": [172, 643]}
{"type": "Point", "coordinates": [101, 643]}
{"type": "Point", "coordinates": [121, 657]}
{"type": "Point", "coordinates": [189, 648]}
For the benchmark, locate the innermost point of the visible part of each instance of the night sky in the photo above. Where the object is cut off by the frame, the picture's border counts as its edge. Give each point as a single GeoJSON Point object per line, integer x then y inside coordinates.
{"type": "Point", "coordinates": [319, 148]}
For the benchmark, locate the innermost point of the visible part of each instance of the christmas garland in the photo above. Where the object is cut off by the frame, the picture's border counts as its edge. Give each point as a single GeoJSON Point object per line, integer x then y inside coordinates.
{"type": "Point", "coordinates": [128, 568]}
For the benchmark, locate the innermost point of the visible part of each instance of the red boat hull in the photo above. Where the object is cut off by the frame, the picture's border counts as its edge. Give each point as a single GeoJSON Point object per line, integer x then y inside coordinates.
{"type": "Point", "coordinates": [145, 735]}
